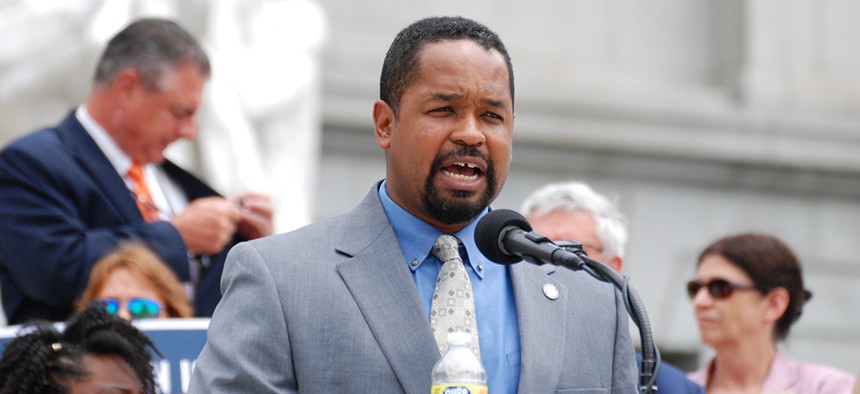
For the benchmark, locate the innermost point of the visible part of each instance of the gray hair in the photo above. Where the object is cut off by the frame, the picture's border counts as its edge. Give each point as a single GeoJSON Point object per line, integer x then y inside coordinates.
{"type": "Point", "coordinates": [151, 46]}
{"type": "Point", "coordinates": [577, 196]}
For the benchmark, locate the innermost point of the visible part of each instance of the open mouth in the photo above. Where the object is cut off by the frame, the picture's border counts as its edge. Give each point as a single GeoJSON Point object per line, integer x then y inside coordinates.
{"type": "Point", "coordinates": [462, 171]}
{"type": "Point", "coordinates": [461, 184]}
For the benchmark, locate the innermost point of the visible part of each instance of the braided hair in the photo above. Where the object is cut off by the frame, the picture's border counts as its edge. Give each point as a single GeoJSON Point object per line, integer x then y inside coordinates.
{"type": "Point", "coordinates": [42, 358]}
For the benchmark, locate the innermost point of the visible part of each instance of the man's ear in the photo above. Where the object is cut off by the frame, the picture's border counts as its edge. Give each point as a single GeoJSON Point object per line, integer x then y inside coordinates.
{"type": "Point", "coordinates": [383, 121]}
{"type": "Point", "coordinates": [127, 85]}
{"type": "Point", "coordinates": [616, 263]}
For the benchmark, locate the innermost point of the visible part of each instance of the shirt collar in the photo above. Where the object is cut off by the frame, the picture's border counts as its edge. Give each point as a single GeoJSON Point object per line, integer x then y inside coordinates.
{"type": "Point", "coordinates": [120, 161]}
{"type": "Point", "coordinates": [416, 237]}
{"type": "Point", "coordinates": [783, 373]}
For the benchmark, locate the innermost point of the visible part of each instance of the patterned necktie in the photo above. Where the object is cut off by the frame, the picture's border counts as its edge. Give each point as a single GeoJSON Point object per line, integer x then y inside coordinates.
{"type": "Point", "coordinates": [452, 308]}
{"type": "Point", "coordinates": [141, 194]}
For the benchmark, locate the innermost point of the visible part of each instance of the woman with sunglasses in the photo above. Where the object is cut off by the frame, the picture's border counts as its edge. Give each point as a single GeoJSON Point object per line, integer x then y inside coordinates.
{"type": "Point", "coordinates": [134, 283]}
{"type": "Point", "coordinates": [747, 293]}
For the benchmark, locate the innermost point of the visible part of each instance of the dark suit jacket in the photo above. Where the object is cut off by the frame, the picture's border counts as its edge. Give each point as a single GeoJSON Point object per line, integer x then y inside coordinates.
{"type": "Point", "coordinates": [62, 207]}
{"type": "Point", "coordinates": [671, 380]}
{"type": "Point", "coordinates": [333, 308]}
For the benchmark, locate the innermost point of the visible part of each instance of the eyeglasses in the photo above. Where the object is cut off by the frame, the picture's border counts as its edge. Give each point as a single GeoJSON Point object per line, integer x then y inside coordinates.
{"type": "Point", "coordinates": [139, 308]}
{"type": "Point", "coordinates": [717, 288]}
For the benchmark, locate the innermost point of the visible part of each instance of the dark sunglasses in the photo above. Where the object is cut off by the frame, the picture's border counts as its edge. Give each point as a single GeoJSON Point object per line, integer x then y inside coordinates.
{"type": "Point", "coordinates": [139, 308]}
{"type": "Point", "coordinates": [717, 288]}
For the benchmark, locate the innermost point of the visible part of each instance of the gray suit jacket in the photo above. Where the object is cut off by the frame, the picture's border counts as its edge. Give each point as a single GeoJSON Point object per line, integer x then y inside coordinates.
{"type": "Point", "coordinates": [305, 311]}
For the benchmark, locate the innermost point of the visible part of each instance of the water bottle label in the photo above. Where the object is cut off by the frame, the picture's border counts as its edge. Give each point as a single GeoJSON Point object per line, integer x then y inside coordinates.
{"type": "Point", "coordinates": [459, 389]}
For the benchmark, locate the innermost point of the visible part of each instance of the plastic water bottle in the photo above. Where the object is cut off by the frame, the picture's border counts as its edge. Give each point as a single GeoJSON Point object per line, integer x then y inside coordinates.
{"type": "Point", "coordinates": [459, 371]}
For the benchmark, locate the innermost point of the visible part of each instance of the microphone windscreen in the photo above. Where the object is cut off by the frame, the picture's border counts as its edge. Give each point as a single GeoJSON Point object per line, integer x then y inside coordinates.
{"type": "Point", "coordinates": [490, 230]}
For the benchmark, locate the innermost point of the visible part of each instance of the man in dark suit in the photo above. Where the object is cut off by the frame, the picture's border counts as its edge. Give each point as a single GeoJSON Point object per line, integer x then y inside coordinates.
{"type": "Point", "coordinates": [70, 193]}
{"type": "Point", "coordinates": [344, 305]}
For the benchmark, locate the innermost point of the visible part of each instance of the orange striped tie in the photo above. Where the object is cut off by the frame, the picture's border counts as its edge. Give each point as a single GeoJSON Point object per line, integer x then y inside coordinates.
{"type": "Point", "coordinates": [141, 193]}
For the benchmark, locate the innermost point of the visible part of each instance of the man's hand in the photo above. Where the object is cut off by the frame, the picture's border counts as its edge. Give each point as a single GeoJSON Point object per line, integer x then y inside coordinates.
{"type": "Point", "coordinates": [207, 224]}
{"type": "Point", "coordinates": [256, 210]}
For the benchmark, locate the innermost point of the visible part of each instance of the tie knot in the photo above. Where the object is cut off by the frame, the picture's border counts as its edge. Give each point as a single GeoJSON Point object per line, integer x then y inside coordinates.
{"type": "Point", "coordinates": [446, 248]}
{"type": "Point", "coordinates": [135, 172]}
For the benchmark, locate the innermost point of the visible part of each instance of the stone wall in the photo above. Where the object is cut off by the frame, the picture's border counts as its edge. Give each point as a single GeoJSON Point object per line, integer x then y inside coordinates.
{"type": "Point", "coordinates": [704, 117]}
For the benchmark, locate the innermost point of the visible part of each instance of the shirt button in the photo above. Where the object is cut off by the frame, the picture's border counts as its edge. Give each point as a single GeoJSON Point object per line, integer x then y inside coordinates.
{"type": "Point", "coordinates": [480, 267]}
{"type": "Point", "coordinates": [415, 263]}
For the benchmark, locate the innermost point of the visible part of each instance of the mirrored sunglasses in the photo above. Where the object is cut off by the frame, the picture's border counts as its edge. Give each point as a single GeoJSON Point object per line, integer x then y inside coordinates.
{"type": "Point", "coordinates": [139, 308]}
{"type": "Point", "coordinates": [718, 288]}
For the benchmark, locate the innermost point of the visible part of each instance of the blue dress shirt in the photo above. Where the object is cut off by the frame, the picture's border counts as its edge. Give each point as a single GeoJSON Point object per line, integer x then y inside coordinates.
{"type": "Point", "coordinates": [495, 307]}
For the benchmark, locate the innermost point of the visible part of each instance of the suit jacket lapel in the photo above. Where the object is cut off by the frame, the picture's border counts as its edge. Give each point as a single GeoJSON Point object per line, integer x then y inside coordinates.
{"type": "Point", "coordinates": [193, 187]}
{"type": "Point", "coordinates": [94, 162]}
{"type": "Point", "coordinates": [87, 152]}
{"type": "Point", "coordinates": [541, 320]}
{"type": "Point", "coordinates": [383, 288]}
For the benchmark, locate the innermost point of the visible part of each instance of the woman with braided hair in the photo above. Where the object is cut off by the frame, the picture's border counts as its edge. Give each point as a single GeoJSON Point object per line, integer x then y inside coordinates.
{"type": "Point", "coordinates": [96, 353]}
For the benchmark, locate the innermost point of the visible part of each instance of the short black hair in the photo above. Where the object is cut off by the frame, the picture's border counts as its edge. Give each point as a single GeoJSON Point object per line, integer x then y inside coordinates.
{"type": "Point", "coordinates": [401, 66]}
{"type": "Point", "coordinates": [44, 358]}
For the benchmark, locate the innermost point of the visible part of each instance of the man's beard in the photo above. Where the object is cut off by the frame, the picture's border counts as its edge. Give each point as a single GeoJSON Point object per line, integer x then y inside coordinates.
{"type": "Point", "coordinates": [454, 209]}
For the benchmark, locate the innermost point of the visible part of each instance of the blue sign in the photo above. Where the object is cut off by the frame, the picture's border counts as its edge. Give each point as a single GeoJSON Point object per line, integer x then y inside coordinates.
{"type": "Point", "coordinates": [179, 341]}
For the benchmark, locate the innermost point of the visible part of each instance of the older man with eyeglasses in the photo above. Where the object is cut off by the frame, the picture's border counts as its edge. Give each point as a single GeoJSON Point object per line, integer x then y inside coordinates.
{"type": "Point", "coordinates": [573, 211]}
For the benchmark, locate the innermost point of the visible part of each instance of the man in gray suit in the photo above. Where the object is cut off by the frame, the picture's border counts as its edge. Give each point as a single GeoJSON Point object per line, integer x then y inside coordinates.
{"type": "Point", "coordinates": [343, 305]}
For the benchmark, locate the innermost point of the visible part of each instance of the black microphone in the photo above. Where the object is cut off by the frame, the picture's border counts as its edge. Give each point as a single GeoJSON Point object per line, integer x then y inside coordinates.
{"type": "Point", "coordinates": [505, 237]}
